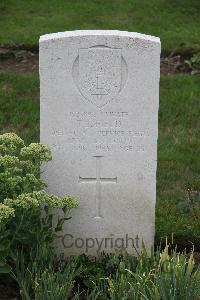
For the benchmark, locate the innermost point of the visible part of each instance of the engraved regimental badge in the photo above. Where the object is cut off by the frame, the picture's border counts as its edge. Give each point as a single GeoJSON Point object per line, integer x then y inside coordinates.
{"type": "Point", "coordinates": [98, 74]}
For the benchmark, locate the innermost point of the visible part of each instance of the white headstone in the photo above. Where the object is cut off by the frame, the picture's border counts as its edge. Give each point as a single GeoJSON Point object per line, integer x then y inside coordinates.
{"type": "Point", "coordinates": [99, 115]}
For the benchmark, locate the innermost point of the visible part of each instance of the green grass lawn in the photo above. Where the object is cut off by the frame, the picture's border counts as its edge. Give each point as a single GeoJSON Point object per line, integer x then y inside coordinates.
{"type": "Point", "coordinates": [178, 146]}
{"type": "Point", "coordinates": [19, 102]}
{"type": "Point", "coordinates": [176, 22]}
{"type": "Point", "coordinates": [178, 154]}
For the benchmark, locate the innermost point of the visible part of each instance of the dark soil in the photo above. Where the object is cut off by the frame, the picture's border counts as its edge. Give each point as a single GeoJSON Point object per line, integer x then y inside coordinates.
{"type": "Point", "coordinates": [27, 62]}
{"type": "Point", "coordinates": [172, 65]}
{"type": "Point", "coordinates": [9, 292]}
{"type": "Point", "coordinates": [18, 61]}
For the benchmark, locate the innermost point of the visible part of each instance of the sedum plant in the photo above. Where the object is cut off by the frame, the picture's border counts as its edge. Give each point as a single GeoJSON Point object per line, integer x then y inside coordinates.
{"type": "Point", "coordinates": [24, 225]}
{"type": "Point", "coordinates": [20, 166]}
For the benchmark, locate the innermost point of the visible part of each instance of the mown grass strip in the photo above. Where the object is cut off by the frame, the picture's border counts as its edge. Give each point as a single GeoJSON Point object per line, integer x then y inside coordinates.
{"type": "Point", "coordinates": [176, 23]}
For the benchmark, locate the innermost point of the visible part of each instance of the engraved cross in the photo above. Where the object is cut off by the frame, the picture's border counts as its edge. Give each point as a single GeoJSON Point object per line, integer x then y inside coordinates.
{"type": "Point", "coordinates": [98, 180]}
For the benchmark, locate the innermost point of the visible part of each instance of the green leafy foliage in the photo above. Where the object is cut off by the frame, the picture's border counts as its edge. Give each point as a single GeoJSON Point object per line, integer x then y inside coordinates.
{"type": "Point", "coordinates": [20, 166]}
{"type": "Point", "coordinates": [45, 278]}
{"type": "Point", "coordinates": [24, 226]}
{"type": "Point", "coordinates": [163, 274]}
{"type": "Point", "coordinates": [193, 64]}
{"type": "Point", "coordinates": [51, 284]}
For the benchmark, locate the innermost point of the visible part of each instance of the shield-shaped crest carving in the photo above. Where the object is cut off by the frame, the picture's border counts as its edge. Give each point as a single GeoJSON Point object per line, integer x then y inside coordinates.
{"type": "Point", "coordinates": [99, 79]}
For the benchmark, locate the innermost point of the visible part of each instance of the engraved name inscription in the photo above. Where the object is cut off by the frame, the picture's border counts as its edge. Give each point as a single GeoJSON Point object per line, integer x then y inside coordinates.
{"type": "Point", "coordinates": [99, 131]}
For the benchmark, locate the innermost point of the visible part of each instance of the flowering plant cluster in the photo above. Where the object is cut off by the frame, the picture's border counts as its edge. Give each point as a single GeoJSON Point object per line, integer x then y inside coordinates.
{"type": "Point", "coordinates": [20, 166]}
{"type": "Point", "coordinates": [24, 225]}
{"type": "Point", "coordinates": [6, 213]}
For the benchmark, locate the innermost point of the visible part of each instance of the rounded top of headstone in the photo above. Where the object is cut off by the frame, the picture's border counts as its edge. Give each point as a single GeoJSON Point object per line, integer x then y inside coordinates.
{"type": "Point", "coordinates": [78, 33]}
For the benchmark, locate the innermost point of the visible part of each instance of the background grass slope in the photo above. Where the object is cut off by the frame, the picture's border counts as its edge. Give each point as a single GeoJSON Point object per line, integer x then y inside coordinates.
{"type": "Point", "coordinates": [176, 22]}
{"type": "Point", "coordinates": [19, 103]}
{"type": "Point", "coordinates": [178, 155]}
{"type": "Point", "coordinates": [178, 144]}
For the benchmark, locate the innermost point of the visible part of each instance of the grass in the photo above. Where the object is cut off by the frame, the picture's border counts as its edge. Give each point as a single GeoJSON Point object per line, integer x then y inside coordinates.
{"type": "Point", "coordinates": [19, 102]}
{"type": "Point", "coordinates": [178, 145]}
{"type": "Point", "coordinates": [178, 154]}
{"type": "Point", "coordinates": [164, 275]}
{"type": "Point", "coordinates": [176, 22]}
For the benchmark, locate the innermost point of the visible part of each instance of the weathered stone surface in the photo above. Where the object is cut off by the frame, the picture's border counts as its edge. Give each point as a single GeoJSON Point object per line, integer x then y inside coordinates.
{"type": "Point", "coordinates": [99, 115]}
